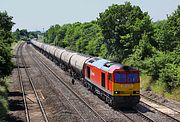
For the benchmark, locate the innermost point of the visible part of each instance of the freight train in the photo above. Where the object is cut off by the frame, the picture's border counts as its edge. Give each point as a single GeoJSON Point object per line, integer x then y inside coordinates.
{"type": "Point", "coordinates": [116, 84]}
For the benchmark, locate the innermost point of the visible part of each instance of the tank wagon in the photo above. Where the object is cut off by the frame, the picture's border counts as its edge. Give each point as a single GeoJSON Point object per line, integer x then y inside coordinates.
{"type": "Point", "coordinates": [116, 84]}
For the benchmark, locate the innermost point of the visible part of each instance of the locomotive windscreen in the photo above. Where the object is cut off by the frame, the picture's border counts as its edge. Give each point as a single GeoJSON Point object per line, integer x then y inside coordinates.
{"type": "Point", "coordinates": [122, 77]}
{"type": "Point", "coordinates": [133, 77]}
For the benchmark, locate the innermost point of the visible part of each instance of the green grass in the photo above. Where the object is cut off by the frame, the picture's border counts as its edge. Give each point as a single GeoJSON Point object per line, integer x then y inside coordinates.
{"type": "Point", "coordinates": [145, 81]}
{"type": "Point", "coordinates": [159, 88]}
{"type": "Point", "coordinates": [13, 46]}
{"type": "Point", "coordinates": [175, 94]}
{"type": "Point", "coordinates": [4, 108]}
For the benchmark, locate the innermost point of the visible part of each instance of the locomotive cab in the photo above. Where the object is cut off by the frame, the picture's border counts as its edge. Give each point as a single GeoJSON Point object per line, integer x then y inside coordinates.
{"type": "Point", "coordinates": [126, 86]}
{"type": "Point", "coordinates": [126, 83]}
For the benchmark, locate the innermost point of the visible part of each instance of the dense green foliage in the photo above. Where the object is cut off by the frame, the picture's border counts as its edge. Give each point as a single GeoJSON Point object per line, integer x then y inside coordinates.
{"type": "Point", "coordinates": [167, 32]}
{"type": "Point", "coordinates": [6, 65]}
{"type": "Point", "coordinates": [164, 66]}
{"type": "Point", "coordinates": [25, 35]}
{"type": "Point", "coordinates": [125, 34]}
{"type": "Point", "coordinates": [123, 27]}
{"type": "Point", "coordinates": [5, 58]}
{"type": "Point", "coordinates": [5, 43]}
{"type": "Point", "coordinates": [81, 37]}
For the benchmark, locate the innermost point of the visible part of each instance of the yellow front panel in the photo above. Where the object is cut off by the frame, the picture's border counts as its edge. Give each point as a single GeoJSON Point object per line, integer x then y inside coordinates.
{"type": "Point", "coordinates": [126, 89]}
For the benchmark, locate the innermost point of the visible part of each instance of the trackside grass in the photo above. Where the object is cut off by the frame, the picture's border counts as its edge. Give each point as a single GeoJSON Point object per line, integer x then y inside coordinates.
{"type": "Point", "coordinates": [4, 108]}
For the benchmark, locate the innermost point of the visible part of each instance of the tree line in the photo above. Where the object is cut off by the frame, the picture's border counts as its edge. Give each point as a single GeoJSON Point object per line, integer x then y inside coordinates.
{"type": "Point", "coordinates": [25, 35]}
{"type": "Point", "coordinates": [126, 34]}
{"type": "Point", "coordinates": [6, 39]}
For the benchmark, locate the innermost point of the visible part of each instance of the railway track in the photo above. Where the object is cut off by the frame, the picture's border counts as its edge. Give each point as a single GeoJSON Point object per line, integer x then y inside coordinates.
{"type": "Point", "coordinates": [150, 99]}
{"type": "Point", "coordinates": [144, 116]}
{"type": "Point", "coordinates": [151, 117]}
{"type": "Point", "coordinates": [133, 114]}
{"type": "Point", "coordinates": [165, 110]}
{"type": "Point", "coordinates": [86, 112]}
{"type": "Point", "coordinates": [25, 90]}
{"type": "Point", "coordinates": [21, 85]}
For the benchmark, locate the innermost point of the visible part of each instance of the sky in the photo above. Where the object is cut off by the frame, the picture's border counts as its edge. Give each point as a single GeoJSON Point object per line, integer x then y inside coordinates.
{"type": "Point", "coordinates": [41, 14]}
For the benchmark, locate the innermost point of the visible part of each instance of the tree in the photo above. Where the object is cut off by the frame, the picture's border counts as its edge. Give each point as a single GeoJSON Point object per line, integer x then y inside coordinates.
{"type": "Point", "coordinates": [173, 27]}
{"type": "Point", "coordinates": [90, 39]}
{"type": "Point", "coordinates": [167, 32]}
{"type": "Point", "coordinates": [51, 34]}
{"type": "Point", "coordinates": [5, 58]}
{"type": "Point", "coordinates": [6, 22]}
{"type": "Point", "coordinates": [5, 27]}
{"type": "Point", "coordinates": [123, 27]}
{"type": "Point", "coordinates": [5, 43]}
{"type": "Point", "coordinates": [141, 52]}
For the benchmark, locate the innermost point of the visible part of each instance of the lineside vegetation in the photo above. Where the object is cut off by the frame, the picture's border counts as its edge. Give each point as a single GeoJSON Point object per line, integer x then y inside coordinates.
{"type": "Point", "coordinates": [6, 39]}
{"type": "Point", "coordinates": [126, 34]}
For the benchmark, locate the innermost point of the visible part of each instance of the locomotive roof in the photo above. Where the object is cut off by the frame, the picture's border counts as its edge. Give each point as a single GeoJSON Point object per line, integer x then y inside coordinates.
{"type": "Point", "coordinates": [106, 65]}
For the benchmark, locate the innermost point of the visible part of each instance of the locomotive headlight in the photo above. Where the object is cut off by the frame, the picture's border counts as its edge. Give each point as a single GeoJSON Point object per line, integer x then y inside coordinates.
{"type": "Point", "coordinates": [116, 92]}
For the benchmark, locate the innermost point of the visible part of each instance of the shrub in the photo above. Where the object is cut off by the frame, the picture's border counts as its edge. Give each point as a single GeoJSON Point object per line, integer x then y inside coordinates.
{"type": "Point", "coordinates": [170, 75]}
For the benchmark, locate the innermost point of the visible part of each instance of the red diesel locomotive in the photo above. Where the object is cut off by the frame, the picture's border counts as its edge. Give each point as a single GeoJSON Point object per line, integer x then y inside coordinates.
{"type": "Point", "coordinates": [117, 84]}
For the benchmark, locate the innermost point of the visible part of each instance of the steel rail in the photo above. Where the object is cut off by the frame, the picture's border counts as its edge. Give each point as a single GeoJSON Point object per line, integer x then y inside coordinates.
{"type": "Point", "coordinates": [134, 109]}
{"type": "Point", "coordinates": [33, 87]}
{"type": "Point", "coordinates": [126, 116]}
{"type": "Point", "coordinates": [21, 83]}
{"type": "Point", "coordinates": [161, 112]}
{"type": "Point", "coordinates": [150, 99]}
{"type": "Point", "coordinates": [143, 116]}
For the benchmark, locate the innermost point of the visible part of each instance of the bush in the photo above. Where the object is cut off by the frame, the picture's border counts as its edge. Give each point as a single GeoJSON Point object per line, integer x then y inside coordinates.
{"type": "Point", "coordinates": [170, 75]}
{"type": "Point", "coordinates": [159, 87]}
{"type": "Point", "coordinates": [3, 98]}
{"type": "Point", "coordinates": [3, 108]}
{"type": "Point", "coordinates": [159, 61]}
{"type": "Point", "coordinates": [5, 58]}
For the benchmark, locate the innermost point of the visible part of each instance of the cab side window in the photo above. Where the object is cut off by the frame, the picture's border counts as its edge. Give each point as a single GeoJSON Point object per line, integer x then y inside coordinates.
{"type": "Point", "coordinates": [88, 72]}
{"type": "Point", "coordinates": [110, 77]}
